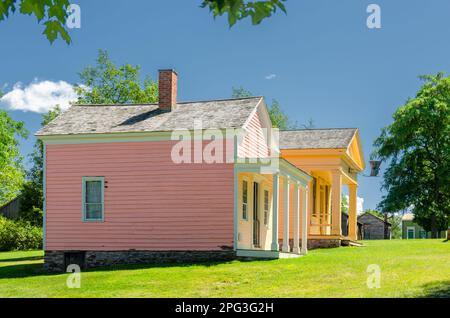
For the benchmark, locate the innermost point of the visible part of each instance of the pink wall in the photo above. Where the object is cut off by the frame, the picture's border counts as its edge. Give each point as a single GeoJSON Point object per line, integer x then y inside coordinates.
{"type": "Point", "coordinates": [150, 203]}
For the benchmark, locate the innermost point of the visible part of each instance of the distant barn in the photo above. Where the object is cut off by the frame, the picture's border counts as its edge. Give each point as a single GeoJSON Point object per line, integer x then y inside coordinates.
{"type": "Point", "coordinates": [374, 228]}
{"type": "Point", "coordinates": [11, 209]}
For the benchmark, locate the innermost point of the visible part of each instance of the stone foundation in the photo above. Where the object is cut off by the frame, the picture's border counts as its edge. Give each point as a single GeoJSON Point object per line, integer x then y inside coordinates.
{"type": "Point", "coordinates": [57, 261]}
{"type": "Point", "coordinates": [315, 243]}
{"type": "Point", "coordinates": [323, 243]}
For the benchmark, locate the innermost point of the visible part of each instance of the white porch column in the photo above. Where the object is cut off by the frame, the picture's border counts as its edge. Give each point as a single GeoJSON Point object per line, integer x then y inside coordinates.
{"type": "Point", "coordinates": [336, 203]}
{"type": "Point", "coordinates": [305, 220]}
{"type": "Point", "coordinates": [352, 212]}
{"type": "Point", "coordinates": [286, 205]}
{"type": "Point", "coordinates": [275, 190]}
{"type": "Point", "coordinates": [296, 246]}
{"type": "Point", "coordinates": [236, 212]}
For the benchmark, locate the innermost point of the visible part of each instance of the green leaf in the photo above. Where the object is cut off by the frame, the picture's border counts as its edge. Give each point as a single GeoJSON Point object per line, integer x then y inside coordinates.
{"type": "Point", "coordinates": [238, 9]}
{"type": "Point", "coordinates": [5, 7]}
{"type": "Point", "coordinates": [53, 29]}
{"type": "Point", "coordinates": [36, 7]}
{"type": "Point", "coordinates": [59, 10]}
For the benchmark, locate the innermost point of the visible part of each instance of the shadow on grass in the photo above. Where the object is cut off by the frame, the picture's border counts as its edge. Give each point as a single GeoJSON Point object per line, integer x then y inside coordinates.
{"type": "Point", "coordinates": [168, 265]}
{"type": "Point", "coordinates": [437, 290]}
{"type": "Point", "coordinates": [22, 271]}
{"type": "Point", "coordinates": [33, 270]}
{"type": "Point", "coordinates": [21, 259]}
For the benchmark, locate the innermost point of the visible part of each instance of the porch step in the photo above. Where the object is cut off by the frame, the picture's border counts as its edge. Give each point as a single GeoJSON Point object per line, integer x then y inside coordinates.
{"type": "Point", "coordinates": [351, 243]}
{"type": "Point", "coordinates": [265, 254]}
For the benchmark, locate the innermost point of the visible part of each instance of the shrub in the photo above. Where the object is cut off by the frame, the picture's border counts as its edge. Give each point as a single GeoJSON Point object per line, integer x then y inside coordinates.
{"type": "Point", "coordinates": [35, 216]}
{"type": "Point", "coordinates": [19, 235]}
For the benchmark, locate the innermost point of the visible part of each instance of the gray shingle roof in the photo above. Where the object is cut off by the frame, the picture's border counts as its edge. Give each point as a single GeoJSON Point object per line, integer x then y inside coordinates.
{"type": "Point", "coordinates": [334, 138]}
{"type": "Point", "coordinates": [90, 119]}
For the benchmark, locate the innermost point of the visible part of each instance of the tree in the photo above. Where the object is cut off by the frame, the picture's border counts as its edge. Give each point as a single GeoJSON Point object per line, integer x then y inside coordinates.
{"type": "Point", "coordinates": [52, 13]}
{"type": "Point", "coordinates": [107, 83]}
{"type": "Point", "coordinates": [240, 9]}
{"type": "Point", "coordinates": [396, 225]}
{"type": "Point", "coordinates": [11, 170]}
{"type": "Point", "coordinates": [344, 204]}
{"type": "Point", "coordinates": [277, 116]}
{"type": "Point", "coordinates": [32, 197]}
{"type": "Point", "coordinates": [240, 92]}
{"type": "Point", "coordinates": [416, 145]}
{"type": "Point", "coordinates": [309, 124]}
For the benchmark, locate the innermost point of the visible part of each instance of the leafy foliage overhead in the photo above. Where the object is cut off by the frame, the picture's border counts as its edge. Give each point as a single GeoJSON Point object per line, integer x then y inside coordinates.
{"type": "Point", "coordinates": [106, 83]}
{"type": "Point", "coordinates": [240, 9]}
{"type": "Point", "coordinates": [51, 13]}
{"type": "Point", "coordinates": [417, 148]}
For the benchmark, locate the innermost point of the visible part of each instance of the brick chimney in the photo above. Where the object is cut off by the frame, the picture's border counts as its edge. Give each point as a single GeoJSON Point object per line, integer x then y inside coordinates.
{"type": "Point", "coordinates": [167, 85]}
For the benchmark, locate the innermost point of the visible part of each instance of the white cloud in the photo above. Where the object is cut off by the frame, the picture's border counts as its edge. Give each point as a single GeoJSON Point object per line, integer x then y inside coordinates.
{"type": "Point", "coordinates": [270, 76]}
{"type": "Point", "coordinates": [359, 204]}
{"type": "Point", "coordinates": [39, 96]}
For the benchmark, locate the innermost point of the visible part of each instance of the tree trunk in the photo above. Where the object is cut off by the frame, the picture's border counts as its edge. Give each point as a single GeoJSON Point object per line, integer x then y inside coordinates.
{"type": "Point", "coordinates": [386, 228]}
{"type": "Point", "coordinates": [434, 232]}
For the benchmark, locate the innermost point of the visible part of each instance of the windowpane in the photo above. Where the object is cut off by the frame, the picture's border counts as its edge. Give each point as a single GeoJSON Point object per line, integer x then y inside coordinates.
{"type": "Point", "coordinates": [244, 191]}
{"type": "Point", "coordinates": [93, 211]}
{"type": "Point", "coordinates": [244, 199]}
{"type": "Point", "coordinates": [266, 200]}
{"type": "Point", "coordinates": [93, 192]}
{"type": "Point", "coordinates": [93, 198]}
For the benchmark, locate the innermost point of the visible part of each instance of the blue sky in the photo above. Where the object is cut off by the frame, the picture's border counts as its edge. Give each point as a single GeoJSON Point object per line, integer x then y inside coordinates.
{"type": "Point", "coordinates": [327, 64]}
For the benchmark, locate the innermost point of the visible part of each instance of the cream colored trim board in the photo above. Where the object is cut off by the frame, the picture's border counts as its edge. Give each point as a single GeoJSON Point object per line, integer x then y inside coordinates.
{"type": "Point", "coordinates": [125, 137]}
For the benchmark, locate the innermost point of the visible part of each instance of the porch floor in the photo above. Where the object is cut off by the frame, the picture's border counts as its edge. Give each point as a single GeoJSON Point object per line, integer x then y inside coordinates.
{"type": "Point", "coordinates": [265, 254]}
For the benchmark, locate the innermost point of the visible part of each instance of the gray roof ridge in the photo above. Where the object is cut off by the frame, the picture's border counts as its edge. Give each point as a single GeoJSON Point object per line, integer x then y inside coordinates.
{"type": "Point", "coordinates": [306, 129]}
{"type": "Point", "coordinates": [183, 102]}
{"type": "Point", "coordinates": [375, 216]}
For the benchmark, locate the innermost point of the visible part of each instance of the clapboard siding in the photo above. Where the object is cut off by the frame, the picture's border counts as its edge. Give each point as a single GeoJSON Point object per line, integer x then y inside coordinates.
{"type": "Point", "coordinates": [11, 210]}
{"type": "Point", "coordinates": [151, 203]}
{"type": "Point", "coordinates": [373, 227]}
{"type": "Point", "coordinates": [254, 144]}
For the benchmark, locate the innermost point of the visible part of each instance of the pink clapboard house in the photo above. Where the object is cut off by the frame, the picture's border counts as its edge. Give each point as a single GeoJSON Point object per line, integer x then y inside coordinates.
{"type": "Point", "coordinates": [171, 181]}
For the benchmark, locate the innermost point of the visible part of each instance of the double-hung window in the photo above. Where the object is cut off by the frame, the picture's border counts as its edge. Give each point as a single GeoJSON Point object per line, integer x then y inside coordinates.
{"type": "Point", "coordinates": [93, 198]}
{"type": "Point", "coordinates": [244, 199]}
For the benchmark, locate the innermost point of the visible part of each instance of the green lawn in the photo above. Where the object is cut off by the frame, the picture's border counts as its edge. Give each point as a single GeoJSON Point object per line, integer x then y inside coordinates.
{"type": "Point", "coordinates": [409, 268]}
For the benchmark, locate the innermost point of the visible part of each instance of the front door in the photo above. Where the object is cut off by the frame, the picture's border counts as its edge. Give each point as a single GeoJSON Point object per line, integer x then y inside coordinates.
{"type": "Point", "coordinates": [255, 214]}
{"type": "Point", "coordinates": [411, 233]}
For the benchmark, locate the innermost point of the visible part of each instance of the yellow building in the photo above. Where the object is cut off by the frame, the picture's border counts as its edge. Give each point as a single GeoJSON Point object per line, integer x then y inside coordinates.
{"type": "Point", "coordinates": [333, 157]}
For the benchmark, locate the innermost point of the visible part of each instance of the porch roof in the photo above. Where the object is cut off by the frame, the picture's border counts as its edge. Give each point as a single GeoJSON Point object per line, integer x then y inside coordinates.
{"type": "Point", "coordinates": [271, 166]}
{"type": "Point", "coordinates": [343, 142]}
{"type": "Point", "coordinates": [332, 138]}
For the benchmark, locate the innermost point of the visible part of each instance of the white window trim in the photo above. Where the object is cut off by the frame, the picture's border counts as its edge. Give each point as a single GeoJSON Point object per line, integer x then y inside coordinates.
{"type": "Point", "coordinates": [83, 208]}
{"type": "Point", "coordinates": [242, 199]}
{"type": "Point", "coordinates": [410, 228]}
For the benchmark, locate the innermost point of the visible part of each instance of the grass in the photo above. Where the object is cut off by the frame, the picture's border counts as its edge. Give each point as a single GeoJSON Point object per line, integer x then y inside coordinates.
{"type": "Point", "coordinates": [409, 268]}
